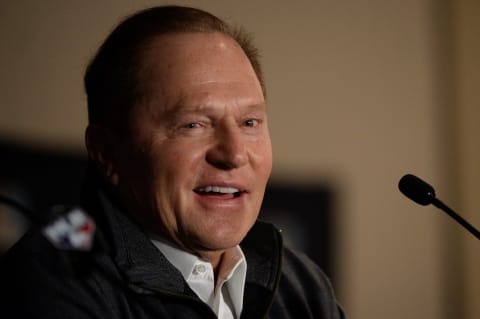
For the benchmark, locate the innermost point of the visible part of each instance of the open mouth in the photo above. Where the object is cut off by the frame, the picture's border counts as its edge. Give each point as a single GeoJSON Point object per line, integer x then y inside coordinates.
{"type": "Point", "coordinates": [227, 192]}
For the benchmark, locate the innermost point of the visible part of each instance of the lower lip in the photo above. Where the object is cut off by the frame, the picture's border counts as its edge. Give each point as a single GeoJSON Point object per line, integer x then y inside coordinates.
{"type": "Point", "coordinates": [221, 200]}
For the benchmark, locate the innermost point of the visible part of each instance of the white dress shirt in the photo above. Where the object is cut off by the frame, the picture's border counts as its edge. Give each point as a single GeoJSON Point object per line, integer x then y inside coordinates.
{"type": "Point", "coordinates": [225, 297]}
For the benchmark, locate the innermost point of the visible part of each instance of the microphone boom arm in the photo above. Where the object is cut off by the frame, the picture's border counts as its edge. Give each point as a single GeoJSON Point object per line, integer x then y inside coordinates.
{"type": "Point", "coordinates": [439, 204]}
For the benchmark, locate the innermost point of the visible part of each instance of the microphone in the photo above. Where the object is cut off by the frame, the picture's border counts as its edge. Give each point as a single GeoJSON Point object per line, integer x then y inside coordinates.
{"type": "Point", "coordinates": [422, 193]}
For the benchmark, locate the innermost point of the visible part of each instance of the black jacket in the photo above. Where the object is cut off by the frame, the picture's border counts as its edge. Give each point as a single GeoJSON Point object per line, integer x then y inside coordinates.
{"type": "Point", "coordinates": [126, 276]}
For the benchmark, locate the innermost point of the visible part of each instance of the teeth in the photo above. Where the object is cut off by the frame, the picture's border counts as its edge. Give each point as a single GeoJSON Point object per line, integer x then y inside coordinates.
{"type": "Point", "coordinates": [219, 189]}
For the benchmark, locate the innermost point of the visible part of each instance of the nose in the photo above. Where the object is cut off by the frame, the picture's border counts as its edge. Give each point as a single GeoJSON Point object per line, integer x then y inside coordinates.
{"type": "Point", "coordinates": [229, 150]}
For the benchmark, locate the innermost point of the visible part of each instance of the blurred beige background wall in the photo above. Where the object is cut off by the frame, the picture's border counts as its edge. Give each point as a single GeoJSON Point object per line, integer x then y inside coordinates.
{"type": "Point", "coordinates": [360, 92]}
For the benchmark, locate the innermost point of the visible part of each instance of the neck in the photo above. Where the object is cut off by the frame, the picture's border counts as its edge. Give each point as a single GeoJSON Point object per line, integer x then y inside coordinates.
{"type": "Point", "coordinates": [214, 257]}
{"type": "Point", "coordinates": [224, 262]}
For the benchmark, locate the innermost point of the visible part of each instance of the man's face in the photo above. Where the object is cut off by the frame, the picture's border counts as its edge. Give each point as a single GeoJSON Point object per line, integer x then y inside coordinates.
{"type": "Point", "coordinates": [196, 162]}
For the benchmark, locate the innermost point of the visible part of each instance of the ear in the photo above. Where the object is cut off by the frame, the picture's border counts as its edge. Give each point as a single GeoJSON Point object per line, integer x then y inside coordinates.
{"type": "Point", "coordinates": [101, 149]}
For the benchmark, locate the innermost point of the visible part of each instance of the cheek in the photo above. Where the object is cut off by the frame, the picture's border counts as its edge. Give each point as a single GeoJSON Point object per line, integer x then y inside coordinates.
{"type": "Point", "coordinates": [268, 158]}
{"type": "Point", "coordinates": [263, 157]}
{"type": "Point", "coordinates": [179, 158]}
{"type": "Point", "coordinates": [174, 169]}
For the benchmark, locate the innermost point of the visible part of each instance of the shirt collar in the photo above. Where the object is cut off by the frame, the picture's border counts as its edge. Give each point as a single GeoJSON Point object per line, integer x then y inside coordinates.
{"type": "Point", "coordinates": [235, 280]}
{"type": "Point", "coordinates": [184, 261]}
{"type": "Point", "coordinates": [232, 272]}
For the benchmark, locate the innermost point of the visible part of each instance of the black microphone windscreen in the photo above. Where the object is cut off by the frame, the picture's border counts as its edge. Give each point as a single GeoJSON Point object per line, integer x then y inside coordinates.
{"type": "Point", "coordinates": [416, 189]}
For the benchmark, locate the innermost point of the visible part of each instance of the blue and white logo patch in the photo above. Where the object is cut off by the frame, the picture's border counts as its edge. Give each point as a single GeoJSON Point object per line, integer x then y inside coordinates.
{"type": "Point", "coordinates": [74, 230]}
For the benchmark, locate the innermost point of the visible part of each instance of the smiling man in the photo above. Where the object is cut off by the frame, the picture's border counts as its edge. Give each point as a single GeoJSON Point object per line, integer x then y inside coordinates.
{"type": "Point", "coordinates": [180, 150]}
{"type": "Point", "coordinates": [198, 146]}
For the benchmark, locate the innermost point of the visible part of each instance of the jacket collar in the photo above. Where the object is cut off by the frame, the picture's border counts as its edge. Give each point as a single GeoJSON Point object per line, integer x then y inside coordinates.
{"type": "Point", "coordinates": [142, 264]}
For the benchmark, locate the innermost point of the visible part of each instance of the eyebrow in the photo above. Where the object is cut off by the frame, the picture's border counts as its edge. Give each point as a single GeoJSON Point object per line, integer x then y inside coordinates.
{"type": "Point", "coordinates": [181, 108]}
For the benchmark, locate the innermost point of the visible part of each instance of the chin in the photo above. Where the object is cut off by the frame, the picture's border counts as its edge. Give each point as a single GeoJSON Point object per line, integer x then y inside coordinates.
{"type": "Point", "coordinates": [216, 241]}
{"type": "Point", "coordinates": [222, 243]}
{"type": "Point", "coordinates": [222, 234]}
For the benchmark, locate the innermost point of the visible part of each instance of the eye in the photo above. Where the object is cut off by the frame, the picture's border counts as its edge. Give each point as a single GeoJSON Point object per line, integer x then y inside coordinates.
{"type": "Point", "coordinates": [192, 125]}
{"type": "Point", "coordinates": [251, 122]}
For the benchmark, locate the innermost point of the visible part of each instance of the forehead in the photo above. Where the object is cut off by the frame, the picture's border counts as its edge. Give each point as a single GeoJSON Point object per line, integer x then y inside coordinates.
{"type": "Point", "coordinates": [187, 61]}
{"type": "Point", "coordinates": [186, 70]}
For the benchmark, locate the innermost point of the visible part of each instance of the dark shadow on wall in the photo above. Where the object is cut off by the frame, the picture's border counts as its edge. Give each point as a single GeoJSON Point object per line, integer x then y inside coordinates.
{"type": "Point", "coordinates": [39, 179]}
{"type": "Point", "coordinates": [304, 214]}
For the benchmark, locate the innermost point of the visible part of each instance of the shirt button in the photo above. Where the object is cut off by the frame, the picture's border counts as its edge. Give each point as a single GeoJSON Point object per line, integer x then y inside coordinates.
{"type": "Point", "coordinates": [199, 269]}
